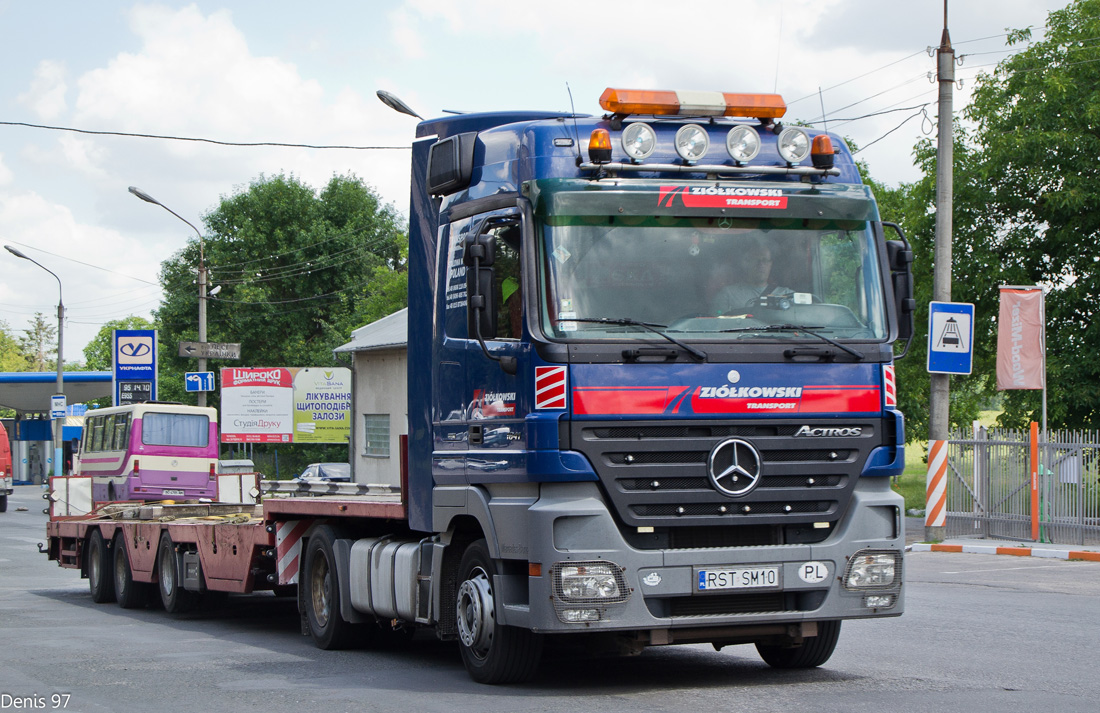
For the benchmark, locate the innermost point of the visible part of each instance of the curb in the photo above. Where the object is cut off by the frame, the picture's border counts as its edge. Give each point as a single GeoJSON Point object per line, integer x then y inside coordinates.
{"type": "Point", "coordinates": [1013, 551]}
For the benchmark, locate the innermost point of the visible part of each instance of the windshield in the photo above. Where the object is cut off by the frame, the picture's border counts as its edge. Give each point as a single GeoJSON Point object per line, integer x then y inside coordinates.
{"type": "Point", "coordinates": [710, 278]}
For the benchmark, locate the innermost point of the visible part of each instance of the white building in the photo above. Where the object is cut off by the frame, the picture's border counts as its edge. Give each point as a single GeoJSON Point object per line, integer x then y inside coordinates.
{"type": "Point", "coordinates": [380, 411]}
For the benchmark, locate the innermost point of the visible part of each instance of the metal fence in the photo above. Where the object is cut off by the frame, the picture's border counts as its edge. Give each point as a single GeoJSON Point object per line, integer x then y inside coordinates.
{"type": "Point", "coordinates": [989, 486]}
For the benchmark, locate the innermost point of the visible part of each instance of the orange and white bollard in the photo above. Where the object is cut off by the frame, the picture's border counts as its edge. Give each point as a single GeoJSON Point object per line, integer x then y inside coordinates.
{"type": "Point", "coordinates": [936, 494]}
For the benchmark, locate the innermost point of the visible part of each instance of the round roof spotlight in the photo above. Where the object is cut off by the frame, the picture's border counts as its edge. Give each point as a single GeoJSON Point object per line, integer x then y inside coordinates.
{"type": "Point", "coordinates": [743, 143]}
{"type": "Point", "coordinates": [639, 141]}
{"type": "Point", "coordinates": [692, 142]}
{"type": "Point", "coordinates": [794, 145]}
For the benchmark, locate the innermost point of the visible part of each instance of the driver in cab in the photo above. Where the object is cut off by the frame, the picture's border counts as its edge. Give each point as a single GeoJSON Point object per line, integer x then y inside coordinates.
{"type": "Point", "coordinates": [752, 280]}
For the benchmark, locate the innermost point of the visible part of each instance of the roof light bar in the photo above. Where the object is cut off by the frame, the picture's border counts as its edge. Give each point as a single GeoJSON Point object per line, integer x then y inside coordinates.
{"type": "Point", "coordinates": [685, 103]}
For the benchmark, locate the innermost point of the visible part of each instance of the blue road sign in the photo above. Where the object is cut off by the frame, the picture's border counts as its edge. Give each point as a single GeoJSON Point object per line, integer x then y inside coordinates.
{"type": "Point", "coordinates": [950, 337]}
{"type": "Point", "coordinates": [199, 381]}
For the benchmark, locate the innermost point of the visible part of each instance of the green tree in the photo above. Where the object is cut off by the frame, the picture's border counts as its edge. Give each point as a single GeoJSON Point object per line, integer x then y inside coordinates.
{"type": "Point", "coordinates": [1035, 168]}
{"type": "Point", "coordinates": [298, 270]}
{"type": "Point", "coordinates": [39, 343]}
{"type": "Point", "coordinates": [12, 357]}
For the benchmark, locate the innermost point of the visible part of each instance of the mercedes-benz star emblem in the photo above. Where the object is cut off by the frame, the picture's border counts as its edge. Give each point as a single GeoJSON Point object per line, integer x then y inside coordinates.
{"type": "Point", "coordinates": [734, 467]}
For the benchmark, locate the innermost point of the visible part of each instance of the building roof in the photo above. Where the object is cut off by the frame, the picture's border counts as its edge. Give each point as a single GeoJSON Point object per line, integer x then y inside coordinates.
{"type": "Point", "coordinates": [390, 332]}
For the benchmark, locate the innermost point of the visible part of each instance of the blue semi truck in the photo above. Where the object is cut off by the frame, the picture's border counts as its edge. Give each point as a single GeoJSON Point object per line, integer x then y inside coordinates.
{"type": "Point", "coordinates": [650, 399]}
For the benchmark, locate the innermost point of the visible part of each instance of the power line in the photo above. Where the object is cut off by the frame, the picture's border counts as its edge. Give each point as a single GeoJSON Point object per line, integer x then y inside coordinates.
{"type": "Point", "coordinates": [166, 137]}
{"type": "Point", "coordinates": [85, 264]}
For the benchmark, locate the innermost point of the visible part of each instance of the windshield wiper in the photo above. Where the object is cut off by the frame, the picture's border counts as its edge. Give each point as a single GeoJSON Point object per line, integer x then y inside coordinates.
{"type": "Point", "coordinates": [655, 328]}
{"type": "Point", "coordinates": [799, 328]}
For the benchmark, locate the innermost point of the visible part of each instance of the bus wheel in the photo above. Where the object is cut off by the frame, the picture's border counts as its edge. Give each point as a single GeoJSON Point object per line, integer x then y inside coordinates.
{"type": "Point", "coordinates": [492, 653]}
{"type": "Point", "coordinates": [98, 562]}
{"type": "Point", "coordinates": [321, 594]}
{"type": "Point", "coordinates": [812, 652]}
{"type": "Point", "coordinates": [175, 598]}
{"type": "Point", "coordinates": [128, 593]}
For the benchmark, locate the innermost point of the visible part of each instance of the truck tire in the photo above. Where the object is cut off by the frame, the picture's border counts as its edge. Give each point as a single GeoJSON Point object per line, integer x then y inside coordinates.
{"type": "Point", "coordinates": [812, 652]}
{"type": "Point", "coordinates": [492, 652]}
{"type": "Point", "coordinates": [173, 596]}
{"type": "Point", "coordinates": [128, 593]}
{"type": "Point", "coordinates": [97, 560]}
{"type": "Point", "coordinates": [321, 594]}
{"type": "Point", "coordinates": [3, 503]}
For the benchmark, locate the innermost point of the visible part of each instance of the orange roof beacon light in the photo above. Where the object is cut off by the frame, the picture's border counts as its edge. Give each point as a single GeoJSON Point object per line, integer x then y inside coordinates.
{"type": "Point", "coordinates": [821, 151]}
{"type": "Point", "coordinates": [687, 103]}
{"type": "Point", "coordinates": [599, 146]}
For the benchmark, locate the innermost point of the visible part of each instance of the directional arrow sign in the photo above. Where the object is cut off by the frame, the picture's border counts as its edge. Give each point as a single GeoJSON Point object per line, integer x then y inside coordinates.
{"type": "Point", "coordinates": [210, 350]}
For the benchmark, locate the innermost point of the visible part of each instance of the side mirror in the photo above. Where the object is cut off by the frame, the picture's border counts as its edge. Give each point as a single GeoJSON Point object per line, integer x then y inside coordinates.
{"type": "Point", "coordinates": [900, 258]}
{"type": "Point", "coordinates": [481, 314]}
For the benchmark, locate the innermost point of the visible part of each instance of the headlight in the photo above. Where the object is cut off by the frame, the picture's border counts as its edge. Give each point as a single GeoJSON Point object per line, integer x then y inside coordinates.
{"type": "Point", "coordinates": [589, 581]}
{"type": "Point", "coordinates": [794, 145]}
{"type": "Point", "coordinates": [692, 142]}
{"type": "Point", "coordinates": [743, 143]}
{"type": "Point", "coordinates": [872, 570]}
{"type": "Point", "coordinates": [639, 140]}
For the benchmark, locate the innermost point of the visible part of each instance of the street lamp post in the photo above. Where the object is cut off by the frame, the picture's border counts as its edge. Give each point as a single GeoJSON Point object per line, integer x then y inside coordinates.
{"type": "Point", "coordinates": [59, 423]}
{"type": "Point", "coordinates": [202, 277]}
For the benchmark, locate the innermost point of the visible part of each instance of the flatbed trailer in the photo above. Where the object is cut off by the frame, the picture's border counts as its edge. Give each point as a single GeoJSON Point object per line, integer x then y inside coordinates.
{"type": "Point", "coordinates": [130, 550]}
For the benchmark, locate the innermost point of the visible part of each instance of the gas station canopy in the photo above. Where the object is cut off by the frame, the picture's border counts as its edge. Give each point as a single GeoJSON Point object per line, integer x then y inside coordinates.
{"type": "Point", "coordinates": [30, 391]}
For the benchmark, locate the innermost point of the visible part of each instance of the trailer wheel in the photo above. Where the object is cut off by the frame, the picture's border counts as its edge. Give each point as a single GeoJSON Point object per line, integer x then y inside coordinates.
{"type": "Point", "coordinates": [492, 653]}
{"type": "Point", "coordinates": [128, 593]}
{"type": "Point", "coordinates": [321, 594]}
{"type": "Point", "coordinates": [175, 598]}
{"type": "Point", "coordinates": [98, 562]}
{"type": "Point", "coordinates": [812, 652]}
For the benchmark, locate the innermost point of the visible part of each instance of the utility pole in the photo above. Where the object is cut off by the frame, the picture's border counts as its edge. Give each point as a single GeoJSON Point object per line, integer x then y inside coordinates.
{"type": "Point", "coordinates": [939, 399]}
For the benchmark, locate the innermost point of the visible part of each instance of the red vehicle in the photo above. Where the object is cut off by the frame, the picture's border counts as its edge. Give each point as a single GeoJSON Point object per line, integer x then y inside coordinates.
{"type": "Point", "coordinates": [5, 469]}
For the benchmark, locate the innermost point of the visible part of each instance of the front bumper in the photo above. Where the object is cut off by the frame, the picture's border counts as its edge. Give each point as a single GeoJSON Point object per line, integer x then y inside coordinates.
{"type": "Point", "coordinates": [570, 523]}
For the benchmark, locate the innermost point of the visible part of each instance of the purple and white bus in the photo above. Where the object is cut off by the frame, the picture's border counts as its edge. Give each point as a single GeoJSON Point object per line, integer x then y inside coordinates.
{"type": "Point", "coordinates": [150, 451]}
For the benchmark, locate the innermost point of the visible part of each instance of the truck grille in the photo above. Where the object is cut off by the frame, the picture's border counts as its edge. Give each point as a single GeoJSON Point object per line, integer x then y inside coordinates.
{"type": "Point", "coordinates": [656, 476]}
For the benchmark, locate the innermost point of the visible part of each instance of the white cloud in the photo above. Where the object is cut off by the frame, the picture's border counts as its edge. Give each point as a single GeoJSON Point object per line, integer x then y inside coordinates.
{"type": "Point", "coordinates": [46, 96]}
{"type": "Point", "coordinates": [6, 176]}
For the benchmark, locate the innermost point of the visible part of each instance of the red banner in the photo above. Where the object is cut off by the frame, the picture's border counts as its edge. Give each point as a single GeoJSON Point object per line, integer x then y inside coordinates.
{"type": "Point", "coordinates": [1020, 339]}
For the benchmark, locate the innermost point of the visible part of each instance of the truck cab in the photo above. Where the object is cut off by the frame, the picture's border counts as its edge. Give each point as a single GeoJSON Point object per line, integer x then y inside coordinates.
{"type": "Point", "coordinates": [651, 367]}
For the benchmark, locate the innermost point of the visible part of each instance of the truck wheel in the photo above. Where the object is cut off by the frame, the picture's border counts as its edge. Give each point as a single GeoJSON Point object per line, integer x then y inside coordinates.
{"type": "Point", "coordinates": [128, 593]}
{"type": "Point", "coordinates": [3, 503]}
{"type": "Point", "coordinates": [321, 594]}
{"type": "Point", "coordinates": [98, 561]}
{"type": "Point", "coordinates": [492, 653]}
{"type": "Point", "coordinates": [175, 598]}
{"type": "Point", "coordinates": [812, 652]}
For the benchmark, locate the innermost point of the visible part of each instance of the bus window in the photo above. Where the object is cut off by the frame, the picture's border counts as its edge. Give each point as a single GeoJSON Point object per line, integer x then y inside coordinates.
{"type": "Point", "coordinates": [97, 433]}
{"type": "Point", "coordinates": [175, 429]}
{"type": "Point", "coordinates": [120, 431]}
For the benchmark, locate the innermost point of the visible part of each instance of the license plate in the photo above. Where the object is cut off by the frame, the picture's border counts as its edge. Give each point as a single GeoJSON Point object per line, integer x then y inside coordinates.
{"type": "Point", "coordinates": [173, 492]}
{"type": "Point", "coordinates": [737, 578]}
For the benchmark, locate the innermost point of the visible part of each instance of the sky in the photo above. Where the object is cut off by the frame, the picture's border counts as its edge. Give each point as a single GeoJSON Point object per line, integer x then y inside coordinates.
{"type": "Point", "coordinates": [253, 71]}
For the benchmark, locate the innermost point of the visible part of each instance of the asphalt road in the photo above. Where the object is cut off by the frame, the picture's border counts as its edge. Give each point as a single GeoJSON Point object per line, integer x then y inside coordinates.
{"type": "Point", "coordinates": [980, 633]}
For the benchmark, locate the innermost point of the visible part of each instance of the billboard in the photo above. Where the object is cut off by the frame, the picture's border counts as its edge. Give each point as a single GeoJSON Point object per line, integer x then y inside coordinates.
{"type": "Point", "coordinates": [285, 405]}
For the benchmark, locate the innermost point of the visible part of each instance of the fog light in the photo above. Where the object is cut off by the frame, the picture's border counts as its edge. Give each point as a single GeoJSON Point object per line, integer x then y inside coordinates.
{"type": "Point", "coordinates": [794, 144]}
{"type": "Point", "coordinates": [878, 601]}
{"type": "Point", "coordinates": [578, 616]}
{"type": "Point", "coordinates": [743, 143]}
{"type": "Point", "coordinates": [692, 142]}
{"type": "Point", "coordinates": [639, 140]}
{"type": "Point", "coordinates": [871, 569]}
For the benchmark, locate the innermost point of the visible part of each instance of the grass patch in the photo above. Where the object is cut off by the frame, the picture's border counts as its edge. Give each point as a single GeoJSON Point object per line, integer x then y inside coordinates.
{"type": "Point", "coordinates": [911, 483]}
